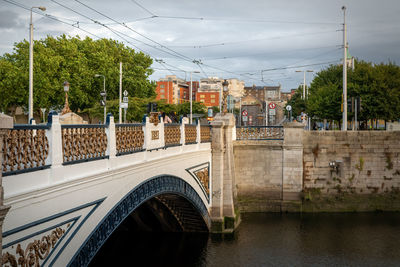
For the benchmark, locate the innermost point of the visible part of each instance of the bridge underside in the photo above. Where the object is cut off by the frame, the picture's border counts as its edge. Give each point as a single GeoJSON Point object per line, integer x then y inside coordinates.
{"type": "Point", "coordinates": [140, 233]}
{"type": "Point", "coordinates": [161, 204]}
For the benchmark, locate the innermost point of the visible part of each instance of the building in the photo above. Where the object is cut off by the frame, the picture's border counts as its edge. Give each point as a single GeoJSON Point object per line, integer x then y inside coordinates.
{"type": "Point", "coordinates": [172, 89]}
{"type": "Point", "coordinates": [272, 103]}
{"type": "Point", "coordinates": [195, 89]}
{"type": "Point", "coordinates": [236, 88]}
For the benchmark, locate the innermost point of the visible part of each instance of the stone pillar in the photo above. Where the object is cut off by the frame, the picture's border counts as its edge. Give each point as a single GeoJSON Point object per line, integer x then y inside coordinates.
{"type": "Point", "coordinates": [6, 122]}
{"type": "Point", "coordinates": [111, 137]}
{"type": "Point", "coordinates": [224, 194]}
{"type": "Point", "coordinates": [292, 180]}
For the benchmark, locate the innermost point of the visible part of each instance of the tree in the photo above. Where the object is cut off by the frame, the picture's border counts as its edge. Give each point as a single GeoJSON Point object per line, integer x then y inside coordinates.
{"type": "Point", "coordinates": [77, 61]}
{"type": "Point", "coordinates": [378, 86]}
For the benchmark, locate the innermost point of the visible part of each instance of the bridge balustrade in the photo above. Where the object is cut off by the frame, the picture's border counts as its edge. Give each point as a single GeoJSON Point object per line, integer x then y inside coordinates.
{"type": "Point", "coordinates": [190, 134]}
{"type": "Point", "coordinates": [172, 134]}
{"type": "Point", "coordinates": [26, 149]}
{"type": "Point", "coordinates": [205, 133]}
{"type": "Point", "coordinates": [83, 143]}
{"type": "Point", "coordinates": [259, 133]}
{"type": "Point", "coordinates": [36, 147]}
{"type": "Point", "coordinates": [129, 138]}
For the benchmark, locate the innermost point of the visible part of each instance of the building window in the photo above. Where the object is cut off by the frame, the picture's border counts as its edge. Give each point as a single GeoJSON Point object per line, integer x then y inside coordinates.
{"type": "Point", "coordinates": [202, 96]}
{"type": "Point", "coordinates": [212, 100]}
{"type": "Point", "coordinates": [162, 86]}
{"type": "Point", "coordinates": [202, 100]}
{"type": "Point", "coordinates": [162, 96]}
{"type": "Point", "coordinates": [212, 96]}
{"type": "Point", "coordinates": [162, 90]}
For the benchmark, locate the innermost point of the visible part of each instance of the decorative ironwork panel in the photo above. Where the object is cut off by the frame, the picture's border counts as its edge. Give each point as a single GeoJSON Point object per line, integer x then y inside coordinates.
{"type": "Point", "coordinates": [190, 134]}
{"type": "Point", "coordinates": [36, 251]}
{"type": "Point", "coordinates": [83, 143]}
{"type": "Point", "coordinates": [260, 133]}
{"type": "Point", "coordinates": [24, 149]}
{"type": "Point", "coordinates": [155, 135]}
{"type": "Point", "coordinates": [205, 133]}
{"type": "Point", "coordinates": [204, 179]}
{"type": "Point", "coordinates": [172, 134]}
{"type": "Point", "coordinates": [130, 138]}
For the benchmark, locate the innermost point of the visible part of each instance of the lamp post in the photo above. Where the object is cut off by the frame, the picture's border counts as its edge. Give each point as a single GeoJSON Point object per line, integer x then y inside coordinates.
{"type": "Point", "coordinates": [30, 104]}
{"type": "Point", "coordinates": [66, 108]}
{"type": "Point", "coordinates": [103, 94]}
{"type": "Point", "coordinates": [225, 87]}
{"type": "Point", "coordinates": [191, 94]}
{"type": "Point", "coordinates": [304, 81]}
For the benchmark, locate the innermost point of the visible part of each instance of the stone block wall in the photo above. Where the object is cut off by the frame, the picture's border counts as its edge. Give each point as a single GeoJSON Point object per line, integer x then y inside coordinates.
{"type": "Point", "coordinates": [368, 161]}
{"type": "Point", "coordinates": [258, 169]}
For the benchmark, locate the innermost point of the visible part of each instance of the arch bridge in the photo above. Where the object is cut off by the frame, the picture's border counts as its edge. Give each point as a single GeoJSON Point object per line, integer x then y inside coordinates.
{"type": "Point", "coordinates": [68, 187]}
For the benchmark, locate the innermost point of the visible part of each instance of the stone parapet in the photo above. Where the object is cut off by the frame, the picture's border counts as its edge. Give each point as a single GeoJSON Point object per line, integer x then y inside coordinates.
{"type": "Point", "coordinates": [6, 123]}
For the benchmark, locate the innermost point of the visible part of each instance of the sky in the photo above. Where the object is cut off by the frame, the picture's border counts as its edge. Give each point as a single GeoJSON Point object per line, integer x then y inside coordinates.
{"type": "Point", "coordinates": [261, 42]}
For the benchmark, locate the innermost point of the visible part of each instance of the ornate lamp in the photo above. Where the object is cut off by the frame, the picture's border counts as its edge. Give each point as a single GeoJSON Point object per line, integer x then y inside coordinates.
{"type": "Point", "coordinates": [225, 87]}
{"type": "Point", "coordinates": [66, 108]}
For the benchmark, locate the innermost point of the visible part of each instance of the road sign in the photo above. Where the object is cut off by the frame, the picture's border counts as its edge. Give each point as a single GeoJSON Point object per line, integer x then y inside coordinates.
{"type": "Point", "coordinates": [244, 118]}
{"type": "Point", "coordinates": [124, 105]}
{"type": "Point", "coordinates": [125, 99]}
{"type": "Point", "coordinates": [125, 93]}
{"type": "Point", "coordinates": [272, 105]}
{"type": "Point", "coordinates": [288, 107]}
{"type": "Point", "coordinates": [272, 112]}
{"type": "Point", "coordinates": [244, 113]}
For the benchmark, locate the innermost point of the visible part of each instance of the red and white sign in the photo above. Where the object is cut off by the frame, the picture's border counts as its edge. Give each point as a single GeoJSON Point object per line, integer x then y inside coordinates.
{"type": "Point", "coordinates": [244, 113]}
{"type": "Point", "coordinates": [272, 105]}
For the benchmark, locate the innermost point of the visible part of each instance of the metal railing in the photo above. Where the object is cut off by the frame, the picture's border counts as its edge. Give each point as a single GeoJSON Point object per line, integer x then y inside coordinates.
{"type": "Point", "coordinates": [259, 133]}
{"type": "Point", "coordinates": [190, 134]}
{"type": "Point", "coordinates": [26, 148]}
{"type": "Point", "coordinates": [172, 134]}
{"type": "Point", "coordinates": [205, 133]}
{"type": "Point", "coordinates": [129, 138]}
{"type": "Point", "coordinates": [83, 142]}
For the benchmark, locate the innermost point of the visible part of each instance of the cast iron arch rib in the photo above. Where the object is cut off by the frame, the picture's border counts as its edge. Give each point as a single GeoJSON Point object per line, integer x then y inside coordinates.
{"type": "Point", "coordinates": [153, 187]}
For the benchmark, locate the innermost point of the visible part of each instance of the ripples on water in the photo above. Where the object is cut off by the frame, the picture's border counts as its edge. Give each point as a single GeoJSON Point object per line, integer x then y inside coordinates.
{"type": "Point", "coordinates": [267, 239]}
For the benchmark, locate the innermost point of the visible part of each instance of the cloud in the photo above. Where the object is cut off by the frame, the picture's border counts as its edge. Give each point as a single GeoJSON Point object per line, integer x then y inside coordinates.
{"type": "Point", "coordinates": [232, 37]}
{"type": "Point", "coordinates": [9, 20]}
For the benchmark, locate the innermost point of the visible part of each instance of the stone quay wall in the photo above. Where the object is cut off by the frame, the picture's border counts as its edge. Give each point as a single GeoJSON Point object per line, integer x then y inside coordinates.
{"type": "Point", "coordinates": [258, 169]}
{"type": "Point", "coordinates": [367, 161]}
{"type": "Point", "coordinates": [339, 172]}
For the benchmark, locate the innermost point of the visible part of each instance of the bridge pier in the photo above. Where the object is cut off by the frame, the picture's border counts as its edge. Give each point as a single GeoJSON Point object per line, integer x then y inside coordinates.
{"type": "Point", "coordinates": [224, 217]}
{"type": "Point", "coordinates": [6, 122]}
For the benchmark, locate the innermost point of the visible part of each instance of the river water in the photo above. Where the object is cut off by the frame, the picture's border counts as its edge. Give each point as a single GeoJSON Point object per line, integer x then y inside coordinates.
{"type": "Point", "coordinates": [267, 239]}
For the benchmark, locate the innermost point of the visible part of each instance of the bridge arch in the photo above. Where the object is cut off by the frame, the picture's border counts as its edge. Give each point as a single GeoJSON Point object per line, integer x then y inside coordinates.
{"type": "Point", "coordinates": [154, 187]}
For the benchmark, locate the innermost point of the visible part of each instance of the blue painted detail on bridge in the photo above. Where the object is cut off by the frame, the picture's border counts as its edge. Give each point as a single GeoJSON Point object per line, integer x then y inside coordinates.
{"type": "Point", "coordinates": [164, 184]}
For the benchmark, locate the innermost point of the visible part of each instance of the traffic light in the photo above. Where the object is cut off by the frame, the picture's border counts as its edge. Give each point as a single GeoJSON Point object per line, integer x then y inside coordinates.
{"type": "Point", "coordinates": [151, 107]}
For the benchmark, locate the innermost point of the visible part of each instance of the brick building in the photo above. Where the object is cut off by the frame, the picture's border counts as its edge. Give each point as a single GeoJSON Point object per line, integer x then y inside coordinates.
{"type": "Point", "coordinates": [172, 89]}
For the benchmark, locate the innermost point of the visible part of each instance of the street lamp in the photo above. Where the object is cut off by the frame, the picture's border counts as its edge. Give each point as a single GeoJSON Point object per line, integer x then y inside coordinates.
{"type": "Point", "coordinates": [225, 86]}
{"type": "Point", "coordinates": [191, 94]}
{"type": "Point", "coordinates": [66, 106]}
{"type": "Point", "coordinates": [103, 94]}
{"type": "Point", "coordinates": [30, 104]}
{"type": "Point", "coordinates": [304, 81]}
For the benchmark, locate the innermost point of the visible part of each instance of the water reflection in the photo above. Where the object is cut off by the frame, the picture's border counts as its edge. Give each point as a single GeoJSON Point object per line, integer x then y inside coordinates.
{"type": "Point", "coordinates": [267, 240]}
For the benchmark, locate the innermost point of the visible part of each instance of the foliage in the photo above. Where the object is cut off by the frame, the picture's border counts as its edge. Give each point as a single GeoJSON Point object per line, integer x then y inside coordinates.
{"type": "Point", "coordinates": [297, 103]}
{"type": "Point", "coordinates": [77, 61]}
{"type": "Point", "coordinates": [377, 85]}
{"type": "Point", "coordinates": [137, 108]}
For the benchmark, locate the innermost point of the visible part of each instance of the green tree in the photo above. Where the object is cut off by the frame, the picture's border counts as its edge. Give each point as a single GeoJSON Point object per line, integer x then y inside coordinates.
{"type": "Point", "coordinates": [77, 61]}
{"type": "Point", "coordinates": [378, 86]}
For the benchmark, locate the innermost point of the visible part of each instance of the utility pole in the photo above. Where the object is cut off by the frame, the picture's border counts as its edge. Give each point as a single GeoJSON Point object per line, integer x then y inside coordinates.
{"type": "Point", "coordinates": [120, 92]}
{"type": "Point", "coordinates": [30, 102]}
{"type": "Point", "coordinates": [344, 128]}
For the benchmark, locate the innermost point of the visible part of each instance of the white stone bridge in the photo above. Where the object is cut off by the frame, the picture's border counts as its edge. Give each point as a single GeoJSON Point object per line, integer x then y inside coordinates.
{"type": "Point", "coordinates": [68, 187]}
